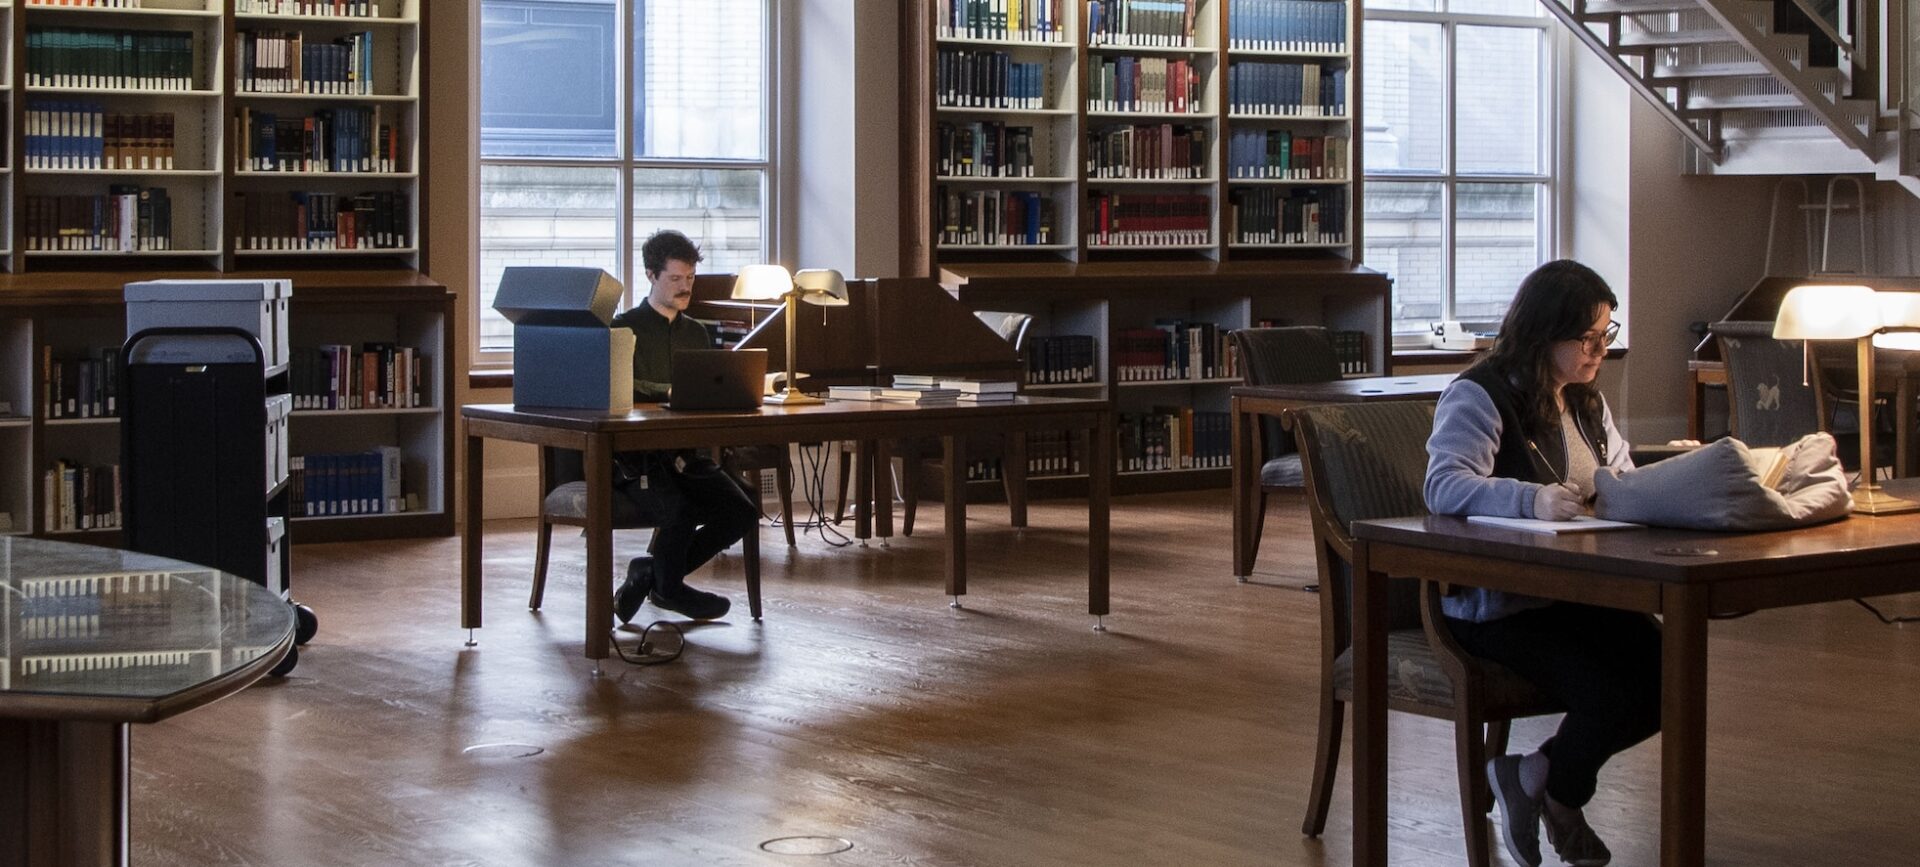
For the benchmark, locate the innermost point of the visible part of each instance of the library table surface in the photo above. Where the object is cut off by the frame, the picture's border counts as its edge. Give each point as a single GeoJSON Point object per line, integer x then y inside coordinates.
{"type": "Point", "coordinates": [1683, 576]}
{"type": "Point", "coordinates": [91, 641]}
{"type": "Point", "coordinates": [1252, 401]}
{"type": "Point", "coordinates": [598, 436]}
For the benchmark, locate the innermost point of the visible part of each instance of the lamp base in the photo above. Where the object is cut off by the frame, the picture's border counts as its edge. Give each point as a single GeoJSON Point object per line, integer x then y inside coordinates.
{"type": "Point", "coordinates": [789, 397]}
{"type": "Point", "coordinates": [1871, 499]}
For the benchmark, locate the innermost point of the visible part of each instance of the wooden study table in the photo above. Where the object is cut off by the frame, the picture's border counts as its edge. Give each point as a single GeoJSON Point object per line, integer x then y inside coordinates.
{"type": "Point", "coordinates": [1252, 401]}
{"type": "Point", "coordinates": [1683, 576]}
{"type": "Point", "coordinates": [93, 640]}
{"type": "Point", "coordinates": [598, 437]}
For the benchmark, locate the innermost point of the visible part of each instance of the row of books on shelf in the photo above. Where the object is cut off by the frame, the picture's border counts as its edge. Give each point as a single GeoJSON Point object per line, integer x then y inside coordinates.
{"type": "Point", "coordinates": [1146, 23]}
{"type": "Point", "coordinates": [378, 375]}
{"type": "Point", "coordinates": [1162, 150]}
{"type": "Point", "coordinates": [983, 149]}
{"type": "Point", "coordinates": [82, 135]}
{"type": "Point", "coordinates": [994, 217]}
{"type": "Point", "coordinates": [89, 4]}
{"type": "Point", "coordinates": [1131, 219]}
{"type": "Point", "coordinates": [1049, 453]}
{"type": "Point", "coordinates": [346, 139]}
{"type": "Point", "coordinates": [1287, 25]}
{"type": "Point", "coordinates": [128, 218]}
{"type": "Point", "coordinates": [1017, 20]}
{"type": "Point", "coordinates": [1350, 350]}
{"type": "Point", "coordinates": [356, 483]}
{"type": "Point", "coordinates": [1145, 84]}
{"type": "Point", "coordinates": [1287, 89]}
{"type": "Point", "coordinates": [83, 386]}
{"type": "Point", "coordinates": [75, 496]}
{"type": "Point", "coordinates": [1293, 215]}
{"type": "Point", "coordinates": [116, 59]}
{"type": "Point", "coordinates": [314, 8]}
{"type": "Point", "coordinates": [1254, 154]}
{"type": "Point", "coordinates": [1173, 438]}
{"type": "Point", "coordinates": [1060, 359]}
{"type": "Point", "coordinates": [1174, 349]}
{"type": "Point", "coordinates": [279, 61]}
{"type": "Point", "coordinates": [988, 79]}
{"type": "Point", "coordinates": [321, 221]}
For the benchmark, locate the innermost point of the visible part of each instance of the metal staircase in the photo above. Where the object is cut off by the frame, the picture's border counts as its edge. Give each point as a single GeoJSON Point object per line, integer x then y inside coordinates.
{"type": "Point", "coordinates": [1754, 99]}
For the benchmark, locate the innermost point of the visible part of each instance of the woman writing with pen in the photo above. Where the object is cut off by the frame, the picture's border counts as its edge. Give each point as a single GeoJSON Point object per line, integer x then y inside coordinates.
{"type": "Point", "coordinates": [1520, 434]}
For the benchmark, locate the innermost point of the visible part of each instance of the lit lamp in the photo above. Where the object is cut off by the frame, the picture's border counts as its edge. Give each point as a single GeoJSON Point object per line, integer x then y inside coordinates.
{"type": "Point", "coordinates": [820, 286]}
{"type": "Point", "coordinates": [1832, 312]}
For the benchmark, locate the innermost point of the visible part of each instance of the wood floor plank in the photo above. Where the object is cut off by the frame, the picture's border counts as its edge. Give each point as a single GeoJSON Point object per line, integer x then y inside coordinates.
{"type": "Point", "coordinates": [1004, 733]}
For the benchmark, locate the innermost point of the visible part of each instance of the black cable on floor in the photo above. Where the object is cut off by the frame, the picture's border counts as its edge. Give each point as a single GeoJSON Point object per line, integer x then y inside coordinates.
{"type": "Point", "coordinates": [1890, 621]}
{"type": "Point", "coordinates": [647, 652]}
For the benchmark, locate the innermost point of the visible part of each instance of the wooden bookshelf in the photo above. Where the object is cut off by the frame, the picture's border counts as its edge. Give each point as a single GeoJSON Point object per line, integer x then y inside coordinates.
{"type": "Point", "coordinates": [80, 313]}
{"type": "Point", "coordinates": [1212, 148]}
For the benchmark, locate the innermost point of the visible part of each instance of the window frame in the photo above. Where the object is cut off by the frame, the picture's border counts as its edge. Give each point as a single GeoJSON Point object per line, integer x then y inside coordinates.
{"type": "Point", "coordinates": [625, 163]}
{"type": "Point", "coordinates": [1550, 214]}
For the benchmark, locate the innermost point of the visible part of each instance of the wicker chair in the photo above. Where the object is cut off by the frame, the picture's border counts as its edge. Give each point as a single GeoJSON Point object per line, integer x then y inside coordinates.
{"type": "Point", "coordinates": [1368, 460]}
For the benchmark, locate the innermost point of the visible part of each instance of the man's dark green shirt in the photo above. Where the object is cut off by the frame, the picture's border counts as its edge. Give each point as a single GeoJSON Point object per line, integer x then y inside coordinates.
{"type": "Point", "coordinates": [654, 341]}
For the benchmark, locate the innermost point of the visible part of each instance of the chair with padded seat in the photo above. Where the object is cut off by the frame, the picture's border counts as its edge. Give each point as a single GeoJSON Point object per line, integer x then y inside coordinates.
{"type": "Point", "coordinates": [1364, 461]}
{"type": "Point", "coordinates": [564, 501]}
{"type": "Point", "coordinates": [1282, 356]}
{"type": "Point", "coordinates": [1772, 401]}
{"type": "Point", "coordinates": [748, 462]}
{"type": "Point", "coordinates": [924, 454]}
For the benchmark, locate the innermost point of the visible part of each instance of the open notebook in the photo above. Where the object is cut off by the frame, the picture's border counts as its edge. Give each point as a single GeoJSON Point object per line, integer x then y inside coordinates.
{"type": "Point", "coordinates": [1580, 524]}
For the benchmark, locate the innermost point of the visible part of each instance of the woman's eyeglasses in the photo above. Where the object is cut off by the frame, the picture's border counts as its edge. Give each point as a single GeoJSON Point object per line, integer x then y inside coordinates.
{"type": "Point", "coordinates": [1594, 344]}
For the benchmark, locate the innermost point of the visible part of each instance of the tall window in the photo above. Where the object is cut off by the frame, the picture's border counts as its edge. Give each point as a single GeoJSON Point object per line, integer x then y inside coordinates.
{"type": "Point", "coordinates": [1459, 155]}
{"type": "Point", "coordinates": [602, 121]}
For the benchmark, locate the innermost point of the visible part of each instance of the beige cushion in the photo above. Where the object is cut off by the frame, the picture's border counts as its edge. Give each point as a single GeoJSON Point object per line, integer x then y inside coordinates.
{"type": "Point", "coordinates": [570, 501]}
{"type": "Point", "coordinates": [1714, 488]}
{"type": "Point", "coordinates": [1283, 472]}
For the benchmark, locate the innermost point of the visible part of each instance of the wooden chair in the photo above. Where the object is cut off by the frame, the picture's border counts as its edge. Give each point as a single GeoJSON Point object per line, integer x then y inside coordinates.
{"type": "Point", "coordinates": [748, 462]}
{"type": "Point", "coordinates": [1368, 460]}
{"type": "Point", "coordinates": [564, 501]}
{"type": "Point", "coordinates": [1772, 401]}
{"type": "Point", "coordinates": [1282, 356]}
{"type": "Point", "coordinates": [922, 455]}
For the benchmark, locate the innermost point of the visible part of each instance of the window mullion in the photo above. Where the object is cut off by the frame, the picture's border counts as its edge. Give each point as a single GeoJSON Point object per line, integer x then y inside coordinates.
{"type": "Point", "coordinates": [1449, 166]}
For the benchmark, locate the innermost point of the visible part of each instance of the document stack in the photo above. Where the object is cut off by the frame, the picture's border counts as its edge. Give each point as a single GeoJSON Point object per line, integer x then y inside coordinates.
{"type": "Point", "coordinates": [983, 390]}
{"type": "Point", "coordinates": [918, 389]}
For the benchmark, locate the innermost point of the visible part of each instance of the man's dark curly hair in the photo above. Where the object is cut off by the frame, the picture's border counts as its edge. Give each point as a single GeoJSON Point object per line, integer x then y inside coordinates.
{"type": "Point", "coordinates": [668, 244]}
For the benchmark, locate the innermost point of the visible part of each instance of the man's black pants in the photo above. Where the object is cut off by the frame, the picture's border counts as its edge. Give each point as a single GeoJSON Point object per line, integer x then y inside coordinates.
{"type": "Point", "coordinates": [701, 510]}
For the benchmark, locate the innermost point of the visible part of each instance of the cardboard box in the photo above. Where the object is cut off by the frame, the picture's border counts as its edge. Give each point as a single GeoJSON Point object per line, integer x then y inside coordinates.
{"type": "Point", "coordinates": [565, 352]}
{"type": "Point", "coordinates": [257, 306]}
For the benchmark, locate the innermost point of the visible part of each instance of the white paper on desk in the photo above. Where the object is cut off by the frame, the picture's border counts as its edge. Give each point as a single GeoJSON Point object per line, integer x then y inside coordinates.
{"type": "Point", "coordinates": [1579, 524]}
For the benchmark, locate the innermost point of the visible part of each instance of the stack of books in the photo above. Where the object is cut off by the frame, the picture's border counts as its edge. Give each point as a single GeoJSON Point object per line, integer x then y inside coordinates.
{"type": "Point", "coordinates": [922, 396]}
{"type": "Point", "coordinates": [983, 390]}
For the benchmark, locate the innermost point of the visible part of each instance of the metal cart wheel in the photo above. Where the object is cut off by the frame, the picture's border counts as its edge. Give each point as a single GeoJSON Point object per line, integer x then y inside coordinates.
{"type": "Point", "coordinates": [305, 624]}
{"type": "Point", "coordinates": [287, 664]}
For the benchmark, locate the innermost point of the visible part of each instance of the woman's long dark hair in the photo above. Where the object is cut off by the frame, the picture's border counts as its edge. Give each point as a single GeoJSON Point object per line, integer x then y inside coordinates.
{"type": "Point", "coordinates": [1558, 301]}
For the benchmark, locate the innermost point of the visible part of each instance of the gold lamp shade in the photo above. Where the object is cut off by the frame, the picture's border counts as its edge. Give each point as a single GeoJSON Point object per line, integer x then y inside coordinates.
{"type": "Point", "coordinates": [823, 287]}
{"type": "Point", "coordinates": [761, 283]}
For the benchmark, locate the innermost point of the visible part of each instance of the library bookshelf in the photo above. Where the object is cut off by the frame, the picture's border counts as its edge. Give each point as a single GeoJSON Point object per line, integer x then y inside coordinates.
{"type": "Point", "coordinates": [1112, 166]}
{"type": "Point", "coordinates": [201, 139]}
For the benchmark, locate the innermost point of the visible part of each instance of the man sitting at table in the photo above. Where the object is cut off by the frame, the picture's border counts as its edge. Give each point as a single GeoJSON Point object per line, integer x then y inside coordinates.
{"type": "Point", "coordinates": [698, 509]}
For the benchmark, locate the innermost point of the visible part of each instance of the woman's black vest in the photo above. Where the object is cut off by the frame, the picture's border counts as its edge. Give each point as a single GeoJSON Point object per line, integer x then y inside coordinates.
{"type": "Point", "coordinates": [1544, 461]}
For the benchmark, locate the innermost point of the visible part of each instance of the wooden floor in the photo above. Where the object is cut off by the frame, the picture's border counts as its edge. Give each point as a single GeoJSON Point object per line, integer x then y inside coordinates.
{"type": "Point", "coordinates": [1007, 733]}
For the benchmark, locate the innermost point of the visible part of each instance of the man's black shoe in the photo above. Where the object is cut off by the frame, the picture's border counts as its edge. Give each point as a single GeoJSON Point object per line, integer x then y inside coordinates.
{"type": "Point", "coordinates": [633, 591]}
{"type": "Point", "coordinates": [697, 604]}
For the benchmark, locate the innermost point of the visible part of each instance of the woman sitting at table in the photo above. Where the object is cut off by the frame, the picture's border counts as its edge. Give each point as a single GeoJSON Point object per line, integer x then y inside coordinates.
{"type": "Point", "coordinates": [1520, 434]}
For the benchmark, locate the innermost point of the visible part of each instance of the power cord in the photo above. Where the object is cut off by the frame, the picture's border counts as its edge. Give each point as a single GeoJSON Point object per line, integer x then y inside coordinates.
{"type": "Point", "coordinates": [1890, 621]}
{"type": "Point", "coordinates": [646, 652]}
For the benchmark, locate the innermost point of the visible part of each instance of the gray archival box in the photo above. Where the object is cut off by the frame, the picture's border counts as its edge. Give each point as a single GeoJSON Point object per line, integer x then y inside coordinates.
{"type": "Point", "coordinates": [565, 355]}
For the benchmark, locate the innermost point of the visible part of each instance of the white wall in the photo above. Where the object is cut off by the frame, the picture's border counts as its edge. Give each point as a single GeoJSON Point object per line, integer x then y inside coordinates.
{"type": "Point", "coordinates": [842, 187]}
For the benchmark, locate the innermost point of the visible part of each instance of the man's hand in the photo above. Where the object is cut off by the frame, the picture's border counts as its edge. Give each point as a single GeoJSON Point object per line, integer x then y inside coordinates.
{"type": "Point", "coordinates": [1556, 503]}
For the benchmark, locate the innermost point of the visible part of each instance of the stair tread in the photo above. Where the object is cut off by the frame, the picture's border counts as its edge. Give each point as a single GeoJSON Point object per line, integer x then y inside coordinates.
{"type": "Point", "coordinates": [1677, 37]}
{"type": "Point", "coordinates": [1732, 69]}
{"type": "Point", "coordinates": [1631, 7]}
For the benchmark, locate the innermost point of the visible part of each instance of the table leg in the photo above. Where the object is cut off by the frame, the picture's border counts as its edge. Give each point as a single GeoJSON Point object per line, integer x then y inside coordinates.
{"type": "Point", "coordinates": [1903, 425]}
{"type": "Point", "coordinates": [882, 491]}
{"type": "Point", "coordinates": [1099, 500]}
{"type": "Point", "coordinates": [1013, 468]}
{"type": "Point", "coordinates": [471, 531]}
{"type": "Point", "coordinates": [1369, 711]}
{"type": "Point", "coordinates": [1683, 726]}
{"type": "Point", "coordinates": [1697, 409]}
{"type": "Point", "coordinates": [598, 465]}
{"type": "Point", "coordinates": [863, 490]}
{"type": "Point", "coordinates": [63, 793]}
{"type": "Point", "coordinates": [953, 451]}
{"type": "Point", "coordinates": [1246, 490]}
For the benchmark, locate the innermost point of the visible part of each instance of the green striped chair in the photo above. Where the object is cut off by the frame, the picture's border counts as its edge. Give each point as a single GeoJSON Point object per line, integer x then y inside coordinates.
{"type": "Point", "coordinates": [1369, 460]}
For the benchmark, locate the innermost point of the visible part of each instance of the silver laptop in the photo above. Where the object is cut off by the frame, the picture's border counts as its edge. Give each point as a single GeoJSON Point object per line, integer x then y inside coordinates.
{"type": "Point", "coordinates": [718, 379]}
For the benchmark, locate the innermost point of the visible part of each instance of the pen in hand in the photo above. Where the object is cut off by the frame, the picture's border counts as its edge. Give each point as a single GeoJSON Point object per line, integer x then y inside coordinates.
{"type": "Point", "coordinates": [1559, 501]}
